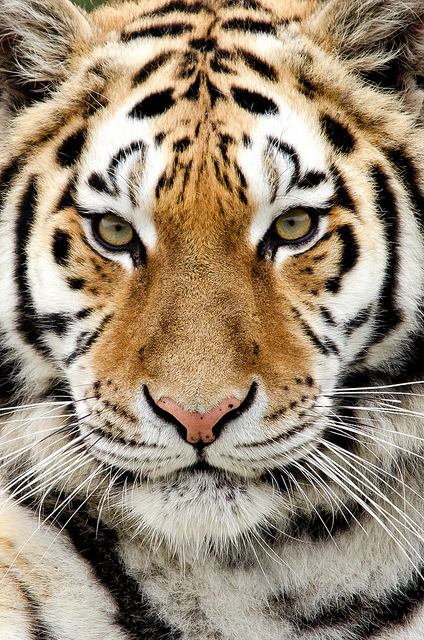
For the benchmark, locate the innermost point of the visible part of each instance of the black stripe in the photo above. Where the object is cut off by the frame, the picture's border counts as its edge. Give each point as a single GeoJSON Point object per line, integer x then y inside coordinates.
{"type": "Point", "coordinates": [364, 617]}
{"type": "Point", "coordinates": [61, 247]}
{"type": "Point", "coordinates": [254, 102]}
{"type": "Point", "coordinates": [178, 5]}
{"type": "Point", "coordinates": [389, 315]}
{"type": "Point", "coordinates": [323, 525]}
{"type": "Point", "coordinates": [39, 629]}
{"type": "Point", "coordinates": [327, 316]}
{"type": "Point", "coordinates": [205, 45]}
{"type": "Point", "coordinates": [70, 150]}
{"type": "Point", "coordinates": [57, 323]}
{"type": "Point", "coordinates": [150, 67]}
{"type": "Point", "coordinates": [249, 25]}
{"type": "Point", "coordinates": [325, 345]}
{"type": "Point", "coordinates": [409, 174]}
{"type": "Point", "coordinates": [181, 145]}
{"type": "Point", "coordinates": [343, 197]}
{"type": "Point", "coordinates": [9, 370]}
{"type": "Point", "coordinates": [349, 257]}
{"type": "Point", "coordinates": [286, 149]}
{"type": "Point", "coordinates": [311, 179]}
{"type": "Point", "coordinates": [339, 136]}
{"type": "Point", "coordinates": [260, 66]}
{"type": "Point", "coordinates": [98, 183]}
{"type": "Point", "coordinates": [25, 312]}
{"type": "Point", "coordinates": [360, 319]}
{"type": "Point", "coordinates": [193, 91]}
{"type": "Point", "coordinates": [153, 105]}
{"type": "Point", "coordinates": [161, 31]}
{"type": "Point", "coordinates": [7, 175]}
{"type": "Point", "coordinates": [98, 545]}
{"type": "Point", "coordinates": [67, 199]}
{"type": "Point", "coordinates": [86, 340]}
{"type": "Point", "coordinates": [214, 93]}
{"type": "Point", "coordinates": [246, 4]}
{"type": "Point", "coordinates": [123, 154]}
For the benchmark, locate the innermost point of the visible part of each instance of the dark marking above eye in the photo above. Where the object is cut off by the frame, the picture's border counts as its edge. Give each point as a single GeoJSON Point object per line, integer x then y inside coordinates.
{"type": "Point", "coordinates": [150, 67]}
{"type": "Point", "coordinates": [205, 45]}
{"type": "Point", "coordinates": [258, 65]}
{"type": "Point", "coordinates": [338, 135]}
{"type": "Point", "coordinates": [161, 31]}
{"type": "Point", "coordinates": [254, 102]}
{"type": "Point", "coordinates": [97, 182]}
{"type": "Point", "coordinates": [251, 26]}
{"type": "Point", "coordinates": [61, 247]}
{"type": "Point", "coordinates": [311, 179]}
{"type": "Point", "coordinates": [71, 148]}
{"type": "Point", "coordinates": [153, 105]}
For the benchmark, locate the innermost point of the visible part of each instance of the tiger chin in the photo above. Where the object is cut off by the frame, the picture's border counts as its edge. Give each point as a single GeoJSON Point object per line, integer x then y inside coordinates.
{"type": "Point", "coordinates": [211, 320]}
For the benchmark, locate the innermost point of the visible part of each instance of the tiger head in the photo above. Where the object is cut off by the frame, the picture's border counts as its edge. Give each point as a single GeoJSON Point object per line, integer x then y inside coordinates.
{"type": "Point", "coordinates": [210, 230]}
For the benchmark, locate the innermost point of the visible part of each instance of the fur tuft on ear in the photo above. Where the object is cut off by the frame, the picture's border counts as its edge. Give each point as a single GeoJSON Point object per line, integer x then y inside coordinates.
{"type": "Point", "coordinates": [383, 39]}
{"type": "Point", "coordinates": [37, 39]}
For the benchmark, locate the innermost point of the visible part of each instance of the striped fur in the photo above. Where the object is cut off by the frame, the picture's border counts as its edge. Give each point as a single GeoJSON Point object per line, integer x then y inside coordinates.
{"type": "Point", "coordinates": [200, 123]}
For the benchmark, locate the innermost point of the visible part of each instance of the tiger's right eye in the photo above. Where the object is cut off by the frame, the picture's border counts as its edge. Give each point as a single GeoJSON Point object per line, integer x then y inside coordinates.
{"type": "Point", "coordinates": [113, 233]}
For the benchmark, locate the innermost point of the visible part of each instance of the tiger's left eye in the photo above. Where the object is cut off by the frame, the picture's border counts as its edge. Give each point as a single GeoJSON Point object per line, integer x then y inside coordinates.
{"type": "Point", "coordinates": [114, 232]}
{"type": "Point", "coordinates": [295, 225]}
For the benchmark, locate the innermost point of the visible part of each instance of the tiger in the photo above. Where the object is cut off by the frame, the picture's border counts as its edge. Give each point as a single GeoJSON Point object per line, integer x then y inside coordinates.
{"type": "Point", "coordinates": [211, 320]}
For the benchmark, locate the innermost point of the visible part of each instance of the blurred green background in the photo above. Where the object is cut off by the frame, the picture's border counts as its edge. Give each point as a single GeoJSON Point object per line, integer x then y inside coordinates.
{"type": "Point", "coordinates": [89, 4]}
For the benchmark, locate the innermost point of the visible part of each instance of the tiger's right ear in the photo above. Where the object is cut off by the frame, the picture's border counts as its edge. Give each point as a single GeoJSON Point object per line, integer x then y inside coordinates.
{"type": "Point", "coordinates": [37, 40]}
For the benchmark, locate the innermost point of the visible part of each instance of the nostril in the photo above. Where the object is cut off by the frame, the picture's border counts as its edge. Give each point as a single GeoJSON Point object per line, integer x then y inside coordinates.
{"type": "Point", "coordinates": [199, 426]}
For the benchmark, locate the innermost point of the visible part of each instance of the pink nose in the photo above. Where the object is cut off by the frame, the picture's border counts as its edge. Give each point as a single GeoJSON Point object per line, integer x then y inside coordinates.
{"type": "Point", "coordinates": [199, 425]}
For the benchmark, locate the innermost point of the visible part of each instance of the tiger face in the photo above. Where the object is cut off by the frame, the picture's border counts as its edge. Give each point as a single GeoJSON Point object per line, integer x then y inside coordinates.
{"type": "Point", "coordinates": [206, 211]}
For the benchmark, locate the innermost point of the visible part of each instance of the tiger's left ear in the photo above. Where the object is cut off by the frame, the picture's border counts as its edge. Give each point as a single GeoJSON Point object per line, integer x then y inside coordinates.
{"type": "Point", "coordinates": [37, 41]}
{"type": "Point", "coordinates": [383, 40]}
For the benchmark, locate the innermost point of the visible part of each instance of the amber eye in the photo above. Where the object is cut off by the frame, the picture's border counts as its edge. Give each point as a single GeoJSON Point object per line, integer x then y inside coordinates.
{"type": "Point", "coordinates": [295, 224]}
{"type": "Point", "coordinates": [114, 232]}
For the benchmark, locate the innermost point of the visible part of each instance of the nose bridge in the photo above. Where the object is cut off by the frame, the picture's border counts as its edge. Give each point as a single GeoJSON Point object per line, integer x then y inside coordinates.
{"type": "Point", "coordinates": [202, 334]}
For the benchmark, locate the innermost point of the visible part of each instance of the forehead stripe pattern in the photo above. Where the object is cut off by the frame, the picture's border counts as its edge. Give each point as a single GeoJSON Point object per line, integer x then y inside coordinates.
{"type": "Point", "coordinates": [153, 105]}
{"type": "Point", "coordinates": [152, 66]}
{"type": "Point", "coordinates": [249, 25]}
{"type": "Point", "coordinates": [162, 31]}
{"type": "Point", "coordinates": [177, 5]}
{"type": "Point", "coordinates": [257, 64]}
{"type": "Point", "coordinates": [254, 102]}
